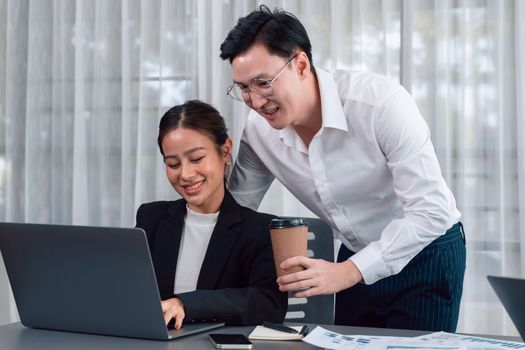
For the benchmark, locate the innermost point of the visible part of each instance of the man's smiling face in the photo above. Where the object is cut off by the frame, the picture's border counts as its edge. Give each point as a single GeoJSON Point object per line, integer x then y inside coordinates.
{"type": "Point", "coordinates": [257, 63]}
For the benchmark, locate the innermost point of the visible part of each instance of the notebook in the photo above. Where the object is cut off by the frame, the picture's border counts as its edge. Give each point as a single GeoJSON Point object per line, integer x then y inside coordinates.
{"type": "Point", "coordinates": [263, 333]}
{"type": "Point", "coordinates": [97, 280]}
{"type": "Point", "coordinates": [510, 292]}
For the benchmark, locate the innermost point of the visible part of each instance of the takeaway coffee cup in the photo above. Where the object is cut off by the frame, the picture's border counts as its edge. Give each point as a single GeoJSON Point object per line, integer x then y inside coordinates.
{"type": "Point", "coordinates": [289, 238]}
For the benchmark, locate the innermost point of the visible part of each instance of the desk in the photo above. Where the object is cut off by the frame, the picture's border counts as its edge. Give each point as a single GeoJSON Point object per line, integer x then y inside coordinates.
{"type": "Point", "coordinates": [14, 336]}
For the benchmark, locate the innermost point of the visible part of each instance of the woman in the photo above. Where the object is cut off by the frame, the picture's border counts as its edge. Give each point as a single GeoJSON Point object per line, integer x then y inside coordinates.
{"type": "Point", "coordinates": [213, 259]}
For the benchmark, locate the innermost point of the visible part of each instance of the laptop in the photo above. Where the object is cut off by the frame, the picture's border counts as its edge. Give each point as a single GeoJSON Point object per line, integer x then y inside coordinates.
{"type": "Point", "coordinates": [510, 292]}
{"type": "Point", "coordinates": [97, 280]}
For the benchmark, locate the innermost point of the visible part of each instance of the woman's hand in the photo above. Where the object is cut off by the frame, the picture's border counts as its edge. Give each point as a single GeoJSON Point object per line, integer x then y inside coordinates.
{"type": "Point", "coordinates": [320, 277]}
{"type": "Point", "coordinates": [173, 308]}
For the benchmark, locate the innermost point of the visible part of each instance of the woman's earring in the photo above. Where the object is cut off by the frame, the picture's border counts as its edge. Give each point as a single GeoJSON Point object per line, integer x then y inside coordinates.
{"type": "Point", "coordinates": [228, 161]}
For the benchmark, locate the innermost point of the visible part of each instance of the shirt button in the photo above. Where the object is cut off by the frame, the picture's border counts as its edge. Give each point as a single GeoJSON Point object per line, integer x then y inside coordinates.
{"type": "Point", "coordinates": [333, 210]}
{"type": "Point", "coordinates": [320, 184]}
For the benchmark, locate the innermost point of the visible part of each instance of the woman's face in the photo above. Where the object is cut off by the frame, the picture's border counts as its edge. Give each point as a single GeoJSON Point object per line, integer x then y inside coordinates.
{"type": "Point", "coordinates": [195, 168]}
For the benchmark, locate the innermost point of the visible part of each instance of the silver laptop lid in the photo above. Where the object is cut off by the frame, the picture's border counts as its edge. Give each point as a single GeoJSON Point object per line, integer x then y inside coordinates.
{"type": "Point", "coordinates": [84, 279]}
{"type": "Point", "coordinates": [510, 292]}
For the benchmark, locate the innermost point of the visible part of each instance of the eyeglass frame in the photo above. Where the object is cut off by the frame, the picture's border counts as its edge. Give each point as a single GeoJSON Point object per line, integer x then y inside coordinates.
{"type": "Point", "coordinates": [250, 89]}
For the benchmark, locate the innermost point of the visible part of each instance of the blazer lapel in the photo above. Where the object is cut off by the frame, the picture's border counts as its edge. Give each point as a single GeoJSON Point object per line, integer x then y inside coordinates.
{"type": "Point", "coordinates": [221, 243]}
{"type": "Point", "coordinates": [167, 246]}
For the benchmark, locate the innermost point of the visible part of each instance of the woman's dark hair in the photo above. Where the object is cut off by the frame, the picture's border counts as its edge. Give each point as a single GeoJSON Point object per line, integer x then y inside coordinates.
{"type": "Point", "coordinates": [279, 31]}
{"type": "Point", "coordinates": [195, 115]}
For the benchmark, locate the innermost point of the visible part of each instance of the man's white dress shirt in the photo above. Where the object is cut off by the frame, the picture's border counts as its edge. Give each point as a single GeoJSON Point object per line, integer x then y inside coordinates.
{"type": "Point", "coordinates": [371, 171]}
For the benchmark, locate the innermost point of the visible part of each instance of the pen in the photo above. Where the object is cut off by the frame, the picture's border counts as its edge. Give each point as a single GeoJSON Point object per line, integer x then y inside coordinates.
{"type": "Point", "coordinates": [279, 327]}
{"type": "Point", "coordinates": [304, 330]}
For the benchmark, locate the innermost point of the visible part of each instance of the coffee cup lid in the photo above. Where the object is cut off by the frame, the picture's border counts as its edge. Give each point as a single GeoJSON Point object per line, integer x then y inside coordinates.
{"type": "Point", "coordinates": [287, 222]}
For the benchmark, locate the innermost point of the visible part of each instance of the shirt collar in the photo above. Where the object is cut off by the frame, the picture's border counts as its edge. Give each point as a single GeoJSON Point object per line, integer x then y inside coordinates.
{"type": "Point", "coordinates": [331, 106]}
{"type": "Point", "coordinates": [331, 109]}
{"type": "Point", "coordinates": [290, 138]}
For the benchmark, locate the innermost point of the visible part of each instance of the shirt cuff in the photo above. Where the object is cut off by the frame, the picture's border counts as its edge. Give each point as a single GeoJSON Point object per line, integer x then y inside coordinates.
{"type": "Point", "coordinates": [370, 264]}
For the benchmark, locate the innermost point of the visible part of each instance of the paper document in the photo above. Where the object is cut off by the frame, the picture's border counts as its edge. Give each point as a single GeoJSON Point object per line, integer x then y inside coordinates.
{"type": "Point", "coordinates": [440, 341]}
{"type": "Point", "coordinates": [324, 338]}
{"type": "Point", "coordinates": [471, 342]}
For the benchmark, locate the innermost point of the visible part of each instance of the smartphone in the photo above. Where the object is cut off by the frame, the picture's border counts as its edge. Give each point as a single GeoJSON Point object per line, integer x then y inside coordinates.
{"type": "Point", "coordinates": [230, 341]}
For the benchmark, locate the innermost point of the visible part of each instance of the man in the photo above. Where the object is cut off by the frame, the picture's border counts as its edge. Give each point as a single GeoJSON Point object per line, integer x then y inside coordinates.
{"type": "Point", "coordinates": [355, 150]}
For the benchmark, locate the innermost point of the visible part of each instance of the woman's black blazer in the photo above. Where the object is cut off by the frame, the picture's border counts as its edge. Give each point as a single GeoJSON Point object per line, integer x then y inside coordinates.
{"type": "Point", "coordinates": [236, 284]}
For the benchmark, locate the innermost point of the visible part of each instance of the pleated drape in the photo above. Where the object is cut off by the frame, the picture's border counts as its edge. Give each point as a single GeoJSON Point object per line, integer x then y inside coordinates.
{"type": "Point", "coordinates": [83, 85]}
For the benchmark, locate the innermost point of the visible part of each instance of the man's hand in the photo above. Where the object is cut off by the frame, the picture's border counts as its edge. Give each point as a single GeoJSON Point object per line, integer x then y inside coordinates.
{"type": "Point", "coordinates": [320, 276]}
{"type": "Point", "coordinates": [173, 308]}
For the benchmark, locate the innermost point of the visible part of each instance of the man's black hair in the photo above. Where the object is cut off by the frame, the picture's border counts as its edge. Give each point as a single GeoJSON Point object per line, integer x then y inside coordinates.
{"type": "Point", "coordinates": [279, 31]}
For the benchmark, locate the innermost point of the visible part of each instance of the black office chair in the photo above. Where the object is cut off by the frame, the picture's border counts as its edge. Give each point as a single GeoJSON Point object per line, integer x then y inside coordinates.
{"type": "Point", "coordinates": [317, 309]}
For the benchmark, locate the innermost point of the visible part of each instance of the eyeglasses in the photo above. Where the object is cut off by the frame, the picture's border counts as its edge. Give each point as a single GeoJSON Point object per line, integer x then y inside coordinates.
{"type": "Point", "coordinates": [262, 87]}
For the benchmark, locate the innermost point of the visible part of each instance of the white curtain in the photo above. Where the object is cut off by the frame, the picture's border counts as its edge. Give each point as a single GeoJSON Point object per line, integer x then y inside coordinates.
{"type": "Point", "coordinates": [84, 83]}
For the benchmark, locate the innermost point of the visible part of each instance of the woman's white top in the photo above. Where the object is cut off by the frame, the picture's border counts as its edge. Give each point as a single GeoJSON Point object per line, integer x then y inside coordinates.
{"type": "Point", "coordinates": [194, 242]}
